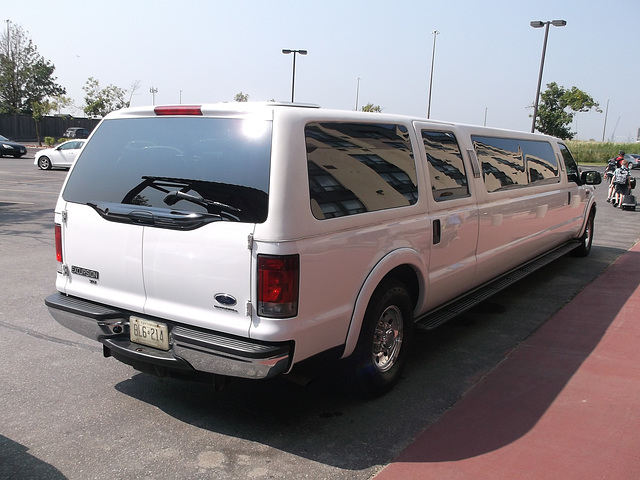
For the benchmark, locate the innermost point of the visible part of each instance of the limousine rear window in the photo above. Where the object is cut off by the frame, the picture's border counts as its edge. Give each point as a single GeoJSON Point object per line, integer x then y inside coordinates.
{"type": "Point", "coordinates": [359, 167]}
{"type": "Point", "coordinates": [166, 162]}
{"type": "Point", "coordinates": [446, 167]}
{"type": "Point", "coordinates": [512, 162]}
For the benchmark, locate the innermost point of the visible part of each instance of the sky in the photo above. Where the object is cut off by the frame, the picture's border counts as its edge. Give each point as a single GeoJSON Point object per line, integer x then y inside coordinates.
{"type": "Point", "coordinates": [485, 66]}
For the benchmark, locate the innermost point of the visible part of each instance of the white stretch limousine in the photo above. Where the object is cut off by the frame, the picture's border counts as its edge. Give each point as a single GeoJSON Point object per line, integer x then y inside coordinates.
{"type": "Point", "coordinates": [240, 239]}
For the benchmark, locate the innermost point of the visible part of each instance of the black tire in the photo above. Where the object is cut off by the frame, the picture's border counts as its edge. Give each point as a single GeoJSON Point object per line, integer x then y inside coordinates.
{"type": "Point", "coordinates": [381, 353]}
{"type": "Point", "coordinates": [587, 238]}
{"type": "Point", "coordinates": [44, 163]}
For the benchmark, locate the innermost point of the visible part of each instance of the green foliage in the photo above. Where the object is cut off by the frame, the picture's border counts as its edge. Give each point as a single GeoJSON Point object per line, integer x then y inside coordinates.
{"type": "Point", "coordinates": [241, 97]}
{"type": "Point", "coordinates": [49, 141]}
{"type": "Point", "coordinates": [38, 111]}
{"type": "Point", "coordinates": [599, 152]}
{"type": "Point", "coordinates": [101, 101]}
{"type": "Point", "coordinates": [370, 107]}
{"type": "Point", "coordinates": [26, 78]}
{"type": "Point", "coordinates": [557, 108]}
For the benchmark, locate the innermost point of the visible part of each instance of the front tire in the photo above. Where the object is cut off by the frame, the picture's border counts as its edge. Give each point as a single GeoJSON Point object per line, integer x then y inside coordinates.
{"type": "Point", "coordinates": [587, 238]}
{"type": "Point", "coordinates": [381, 353]}
{"type": "Point", "coordinates": [44, 163]}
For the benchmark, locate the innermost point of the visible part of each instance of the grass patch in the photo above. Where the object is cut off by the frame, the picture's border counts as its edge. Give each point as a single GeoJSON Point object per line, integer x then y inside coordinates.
{"type": "Point", "coordinates": [599, 152]}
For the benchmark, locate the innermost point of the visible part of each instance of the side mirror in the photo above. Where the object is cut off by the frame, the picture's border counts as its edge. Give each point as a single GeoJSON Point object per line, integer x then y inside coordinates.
{"type": "Point", "coordinates": [591, 177]}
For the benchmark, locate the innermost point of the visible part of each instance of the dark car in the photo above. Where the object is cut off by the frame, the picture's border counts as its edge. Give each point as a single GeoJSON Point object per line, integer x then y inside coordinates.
{"type": "Point", "coordinates": [634, 160]}
{"type": "Point", "coordinates": [76, 132]}
{"type": "Point", "coordinates": [9, 148]}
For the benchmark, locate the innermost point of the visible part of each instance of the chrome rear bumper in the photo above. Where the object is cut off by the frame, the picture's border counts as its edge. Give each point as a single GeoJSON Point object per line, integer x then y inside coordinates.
{"type": "Point", "coordinates": [190, 348]}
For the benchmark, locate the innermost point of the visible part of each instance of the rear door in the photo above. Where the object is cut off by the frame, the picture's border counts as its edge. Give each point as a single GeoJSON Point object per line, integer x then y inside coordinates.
{"type": "Point", "coordinates": [103, 259]}
{"type": "Point", "coordinates": [454, 216]}
{"type": "Point", "coordinates": [68, 153]}
{"type": "Point", "coordinates": [159, 214]}
{"type": "Point", "coordinates": [199, 277]}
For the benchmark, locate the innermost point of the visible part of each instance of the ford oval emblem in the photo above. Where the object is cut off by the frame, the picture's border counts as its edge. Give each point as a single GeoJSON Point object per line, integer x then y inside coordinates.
{"type": "Point", "coordinates": [225, 299]}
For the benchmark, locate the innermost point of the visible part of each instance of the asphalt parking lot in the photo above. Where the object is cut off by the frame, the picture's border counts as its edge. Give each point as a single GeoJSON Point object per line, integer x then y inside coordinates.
{"type": "Point", "coordinates": [67, 412]}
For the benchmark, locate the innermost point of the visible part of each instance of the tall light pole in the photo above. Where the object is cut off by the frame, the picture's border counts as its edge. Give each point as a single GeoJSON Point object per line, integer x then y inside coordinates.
{"type": "Point", "coordinates": [435, 33]}
{"type": "Point", "coordinates": [287, 51]}
{"type": "Point", "coordinates": [539, 24]}
{"type": "Point", "coordinates": [606, 113]}
{"type": "Point", "coordinates": [357, 93]}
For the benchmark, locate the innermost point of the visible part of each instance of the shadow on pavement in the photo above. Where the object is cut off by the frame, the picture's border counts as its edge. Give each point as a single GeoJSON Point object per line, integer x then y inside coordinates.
{"type": "Point", "coordinates": [319, 421]}
{"type": "Point", "coordinates": [16, 463]}
{"type": "Point", "coordinates": [507, 403]}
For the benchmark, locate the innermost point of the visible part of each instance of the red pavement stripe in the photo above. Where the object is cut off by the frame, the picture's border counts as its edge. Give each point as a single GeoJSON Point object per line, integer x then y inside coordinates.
{"type": "Point", "coordinates": [563, 405]}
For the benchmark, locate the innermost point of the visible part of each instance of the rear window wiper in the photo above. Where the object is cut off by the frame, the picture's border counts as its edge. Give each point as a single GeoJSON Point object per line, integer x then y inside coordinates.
{"type": "Point", "coordinates": [223, 209]}
{"type": "Point", "coordinates": [155, 217]}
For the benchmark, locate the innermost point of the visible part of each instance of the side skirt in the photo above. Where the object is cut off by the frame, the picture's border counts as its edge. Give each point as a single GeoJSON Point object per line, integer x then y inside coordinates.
{"type": "Point", "coordinates": [446, 312]}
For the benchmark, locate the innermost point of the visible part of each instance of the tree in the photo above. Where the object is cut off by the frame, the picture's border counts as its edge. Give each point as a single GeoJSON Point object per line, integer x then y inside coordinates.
{"type": "Point", "coordinates": [43, 108]}
{"type": "Point", "coordinates": [241, 97]}
{"type": "Point", "coordinates": [26, 78]}
{"type": "Point", "coordinates": [38, 112]}
{"type": "Point", "coordinates": [101, 101]}
{"type": "Point", "coordinates": [370, 107]}
{"type": "Point", "coordinates": [58, 102]}
{"type": "Point", "coordinates": [135, 86]}
{"type": "Point", "coordinates": [557, 108]}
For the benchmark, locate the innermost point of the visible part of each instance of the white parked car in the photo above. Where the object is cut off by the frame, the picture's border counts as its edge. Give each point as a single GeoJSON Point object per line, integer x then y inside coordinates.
{"type": "Point", "coordinates": [238, 240]}
{"type": "Point", "coordinates": [61, 156]}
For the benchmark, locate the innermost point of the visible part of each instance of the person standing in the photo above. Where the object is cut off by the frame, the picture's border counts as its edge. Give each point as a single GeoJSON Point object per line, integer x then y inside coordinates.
{"type": "Point", "coordinates": [613, 164]}
{"type": "Point", "coordinates": [621, 183]}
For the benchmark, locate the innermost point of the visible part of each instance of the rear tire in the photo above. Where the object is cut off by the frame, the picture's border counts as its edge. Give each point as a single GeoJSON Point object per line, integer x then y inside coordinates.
{"type": "Point", "coordinates": [381, 353]}
{"type": "Point", "coordinates": [587, 238]}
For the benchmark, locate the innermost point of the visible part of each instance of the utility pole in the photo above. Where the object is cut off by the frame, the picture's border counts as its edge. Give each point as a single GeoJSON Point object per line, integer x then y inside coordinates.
{"type": "Point", "coordinates": [153, 92]}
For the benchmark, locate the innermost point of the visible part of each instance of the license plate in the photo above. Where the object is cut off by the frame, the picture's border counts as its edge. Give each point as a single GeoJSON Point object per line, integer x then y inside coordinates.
{"type": "Point", "coordinates": [149, 333]}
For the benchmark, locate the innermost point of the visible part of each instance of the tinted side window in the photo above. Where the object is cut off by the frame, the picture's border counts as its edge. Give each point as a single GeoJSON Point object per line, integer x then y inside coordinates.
{"type": "Point", "coordinates": [446, 167]}
{"type": "Point", "coordinates": [541, 162]}
{"type": "Point", "coordinates": [502, 162]}
{"type": "Point", "coordinates": [359, 167]}
{"type": "Point", "coordinates": [572, 167]}
{"type": "Point", "coordinates": [509, 162]}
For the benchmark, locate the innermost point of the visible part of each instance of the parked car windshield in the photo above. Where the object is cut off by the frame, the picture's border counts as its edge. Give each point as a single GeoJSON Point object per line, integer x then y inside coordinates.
{"type": "Point", "coordinates": [190, 164]}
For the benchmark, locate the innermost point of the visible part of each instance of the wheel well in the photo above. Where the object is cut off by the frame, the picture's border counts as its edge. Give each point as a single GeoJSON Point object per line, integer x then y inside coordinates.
{"type": "Point", "coordinates": [408, 276]}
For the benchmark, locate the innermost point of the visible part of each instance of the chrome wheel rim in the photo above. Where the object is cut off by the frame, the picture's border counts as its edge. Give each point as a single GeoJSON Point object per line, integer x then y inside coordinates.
{"type": "Point", "coordinates": [387, 338]}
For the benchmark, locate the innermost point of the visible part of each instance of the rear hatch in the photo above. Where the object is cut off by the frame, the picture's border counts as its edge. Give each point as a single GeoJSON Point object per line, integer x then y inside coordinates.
{"type": "Point", "coordinates": [158, 213]}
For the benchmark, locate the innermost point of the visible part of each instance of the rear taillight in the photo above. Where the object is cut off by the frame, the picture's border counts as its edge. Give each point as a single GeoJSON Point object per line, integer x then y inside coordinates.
{"type": "Point", "coordinates": [278, 280]}
{"type": "Point", "coordinates": [178, 110]}
{"type": "Point", "coordinates": [58, 234]}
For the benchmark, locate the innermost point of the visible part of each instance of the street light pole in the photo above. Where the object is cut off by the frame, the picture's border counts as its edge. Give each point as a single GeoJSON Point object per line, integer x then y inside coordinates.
{"type": "Point", "coordinates": [287, 51]}
{"type": "Point", "coordinates": [539, 24]}
{"type": "Point", "coordinates": [606, 113]}
{"type": "Point", "coordinates": [433, 56]}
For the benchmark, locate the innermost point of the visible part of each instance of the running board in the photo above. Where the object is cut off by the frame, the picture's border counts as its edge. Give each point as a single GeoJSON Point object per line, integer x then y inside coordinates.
{"type": "Point", "coordinates": [454, 308]}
